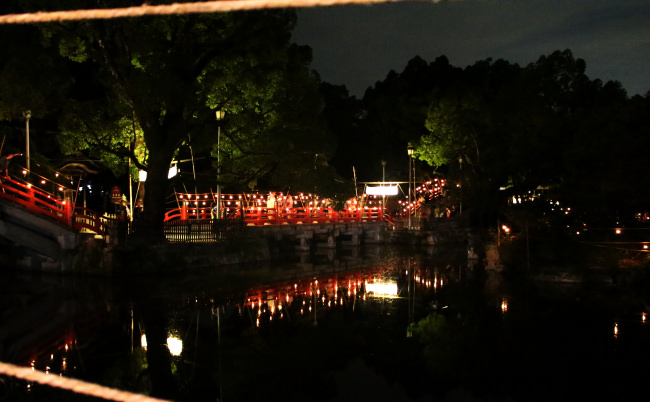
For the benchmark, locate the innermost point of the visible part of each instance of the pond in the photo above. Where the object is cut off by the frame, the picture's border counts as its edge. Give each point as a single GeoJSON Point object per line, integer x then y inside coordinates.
{"type": "Point", "coordinates": [371, 324]}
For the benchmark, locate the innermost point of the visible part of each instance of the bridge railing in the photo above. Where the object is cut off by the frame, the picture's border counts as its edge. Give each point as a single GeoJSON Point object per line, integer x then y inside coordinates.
{"type": "Point", "coordinates": [260, 216]}
{"type": "Point", "coordinates": [36, 200]}
{"type": "Point", "coordinates": [51, 205]}
{"type": "Point", "coordinates": [84, 218]}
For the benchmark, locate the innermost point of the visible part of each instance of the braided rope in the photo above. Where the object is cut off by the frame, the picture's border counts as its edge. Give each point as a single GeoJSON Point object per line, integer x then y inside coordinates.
{"type": "Point", "coordinates": [175, 8]}
{"type": "Point", "coordinates": [71, 384]}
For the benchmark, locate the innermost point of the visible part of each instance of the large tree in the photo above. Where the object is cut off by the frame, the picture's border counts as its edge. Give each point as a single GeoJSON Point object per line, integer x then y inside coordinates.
{"type": "Point", "coordinates": [150, 84]}
{"type": "Point", "coordinates": [546, 124]}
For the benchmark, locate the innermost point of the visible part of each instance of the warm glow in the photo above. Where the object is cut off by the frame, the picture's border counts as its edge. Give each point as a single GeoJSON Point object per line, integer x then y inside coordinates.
{"type": "Point", "coordinates": [143, 341]}
{"type": "Point", "coordinates": [175, 346]}
{"type": "Point", "coordinates": [382, 288]}
{"type": "Point", "coordinates": [173, 171]}
{"type": "Point", "coordinates": [382, 190]}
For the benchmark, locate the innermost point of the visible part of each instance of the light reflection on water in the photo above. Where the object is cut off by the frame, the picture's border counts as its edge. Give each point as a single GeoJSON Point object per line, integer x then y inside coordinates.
{"type": "Point", "coordinates": [404, 328]}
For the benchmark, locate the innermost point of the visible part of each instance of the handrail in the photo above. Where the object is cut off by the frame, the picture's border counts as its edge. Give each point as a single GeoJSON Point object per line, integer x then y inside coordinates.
{"type": "Point", "coordinates": [260, 216]}
{"type": "Point", "coordinates": [35, 199]}
{"type": "Point", "coordinates": [43, 203]}
{"type": "Point", "coordinates": [85, 218]}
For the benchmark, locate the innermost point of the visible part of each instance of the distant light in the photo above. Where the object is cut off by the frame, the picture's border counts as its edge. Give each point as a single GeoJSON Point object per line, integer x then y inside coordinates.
{"type": "Point", "coordinates": [173, 171]}
{"type": "Point", "coordinates": [382, 288]}
{"type": "Point", "coordinates": [143, 341]}
{"type": "Point", "coordinates": [175, 346]}
{"type": "Point", "coordinates": [142, 175]}
{"type": "Point", "coordinates": [618, 231]}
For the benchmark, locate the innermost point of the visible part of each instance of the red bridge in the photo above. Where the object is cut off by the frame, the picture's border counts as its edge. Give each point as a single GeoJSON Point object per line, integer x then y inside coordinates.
{"type": "Point", "coordinates": [57, 203]}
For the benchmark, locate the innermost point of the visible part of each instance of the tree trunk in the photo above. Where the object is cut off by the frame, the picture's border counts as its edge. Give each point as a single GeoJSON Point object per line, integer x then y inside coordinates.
{"type": "Point", "coordinates": [150, 230]}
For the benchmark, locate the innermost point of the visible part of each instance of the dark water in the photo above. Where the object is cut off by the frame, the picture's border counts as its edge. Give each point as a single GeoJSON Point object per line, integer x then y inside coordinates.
{"type": "Point", "coordinates": [444, 330]}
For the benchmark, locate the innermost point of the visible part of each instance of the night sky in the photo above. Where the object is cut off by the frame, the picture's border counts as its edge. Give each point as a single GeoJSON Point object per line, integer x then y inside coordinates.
{"type": "Point", "coordinates": [357, 46]}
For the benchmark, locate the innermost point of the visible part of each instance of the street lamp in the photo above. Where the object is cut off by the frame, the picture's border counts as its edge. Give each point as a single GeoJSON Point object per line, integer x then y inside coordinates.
{"type": "Point", "coordinates": [383, 183]}
{"type": "Point", "coordinates": [28, 115]}
{"type": "Point", "coordinates": [410, 151]}
{"type": "Point", "coordinates": [220, 114]}
{"type": "Point", "coordinates": [460, 162]}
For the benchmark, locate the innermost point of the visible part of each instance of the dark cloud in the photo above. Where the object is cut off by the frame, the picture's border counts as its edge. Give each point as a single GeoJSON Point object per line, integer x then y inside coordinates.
{"type": "Point", "coordinates": [358, 45]}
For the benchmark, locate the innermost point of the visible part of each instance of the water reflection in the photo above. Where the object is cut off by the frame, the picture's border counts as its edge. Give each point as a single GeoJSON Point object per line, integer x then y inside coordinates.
{"type": "Point", "coordinates": [405, 327]}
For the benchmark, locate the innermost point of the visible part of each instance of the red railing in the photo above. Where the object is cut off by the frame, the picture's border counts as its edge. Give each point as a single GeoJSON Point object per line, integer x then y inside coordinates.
{"type": "Point", "coordinates": [85, 218]}
{"type": "Point", "coordinates": [259, 216]}
{"type": "Point", "coordinates": [37, 200]}
{"type": "Point", "coordinates": [53, 206]}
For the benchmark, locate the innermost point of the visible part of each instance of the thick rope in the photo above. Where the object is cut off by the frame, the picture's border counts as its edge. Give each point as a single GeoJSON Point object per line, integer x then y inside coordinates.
{"type": "Point", "coordinates": [176, 8]}
{"type": "Point", "coordinates": [71, 384]}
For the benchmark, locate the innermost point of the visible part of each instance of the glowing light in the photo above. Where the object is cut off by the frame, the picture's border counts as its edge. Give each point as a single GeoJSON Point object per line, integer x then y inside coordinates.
{"type": "Point", "coordinates": [615, 329]}
{"type": "Point", "coordinates": [504, 305]}
{"type": "Point", "coordinates": [382, 190]}
{"type": "Point", "coordinates": [174, 345]}
{"type": "Point", "coordinates": [382, 288]}
{"type": "Point", "coordinates": [143, 341]}
{"type": "Point", "coordinates": [618, 231]}
{"type": "Point", "coordinates": [643, 316]}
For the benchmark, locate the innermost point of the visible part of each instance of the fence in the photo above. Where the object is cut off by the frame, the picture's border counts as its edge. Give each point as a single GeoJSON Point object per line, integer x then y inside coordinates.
{"type": "Point", "coordinates": [201, 230]}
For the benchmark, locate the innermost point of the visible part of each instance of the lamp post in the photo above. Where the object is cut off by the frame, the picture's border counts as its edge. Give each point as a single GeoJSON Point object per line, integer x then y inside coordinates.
{"type": "Point", "coordinates": [220, 114]}
{"type": "Point", "coordinates": [383, 183]}
{"type": "Point", "coordinates": [28, 115]}
{"type": "Point", "coordinates": [410, 151]}
{"type": "Point", "coordinates": [460, 209]}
